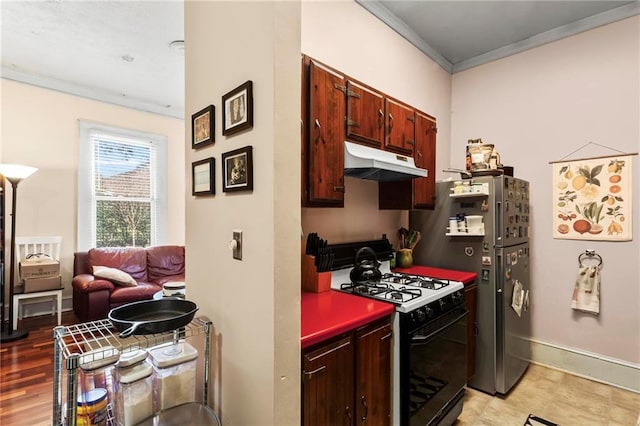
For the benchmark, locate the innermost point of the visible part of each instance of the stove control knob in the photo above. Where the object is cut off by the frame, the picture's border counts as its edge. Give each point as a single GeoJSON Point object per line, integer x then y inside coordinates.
{"type": "Point", "coordinates": [443, 303]}
{"type": "Point", "coordinates": [421, 314]}
{"type": "Point", "coordinates": [457, 296]}
{"type": "Point", "coordinates": [429, 311]}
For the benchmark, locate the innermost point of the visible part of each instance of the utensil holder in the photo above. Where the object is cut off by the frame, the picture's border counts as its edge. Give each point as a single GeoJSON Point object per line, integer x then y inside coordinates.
{"type": "Point", "coordinates": [312, 280]}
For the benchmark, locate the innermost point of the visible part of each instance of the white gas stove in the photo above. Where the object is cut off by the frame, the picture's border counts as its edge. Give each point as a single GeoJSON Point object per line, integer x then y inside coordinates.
{"type": "Point", "coordinates": [408, 292]}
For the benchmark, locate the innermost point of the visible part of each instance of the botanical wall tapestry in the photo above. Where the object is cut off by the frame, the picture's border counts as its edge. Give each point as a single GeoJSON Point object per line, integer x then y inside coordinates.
{"type": "Point", "coordinates": [592, 199]}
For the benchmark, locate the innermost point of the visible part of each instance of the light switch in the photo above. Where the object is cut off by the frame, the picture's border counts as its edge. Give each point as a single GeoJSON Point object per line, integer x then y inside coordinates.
{"type": "Point", "coordinates": [237, 246]}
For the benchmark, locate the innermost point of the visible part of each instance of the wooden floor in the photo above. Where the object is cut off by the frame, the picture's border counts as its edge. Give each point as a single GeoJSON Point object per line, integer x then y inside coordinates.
{"type": "Point", "coordinates": [26, 373]}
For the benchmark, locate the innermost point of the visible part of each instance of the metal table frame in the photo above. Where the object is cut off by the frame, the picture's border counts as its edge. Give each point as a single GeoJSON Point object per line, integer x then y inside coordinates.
{"type": "Point", "coordinates": [72, 342]}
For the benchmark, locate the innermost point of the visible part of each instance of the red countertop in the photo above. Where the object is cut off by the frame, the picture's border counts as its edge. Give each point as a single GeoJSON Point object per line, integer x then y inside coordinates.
{"type": "Point", "coordinates": [446, 274]}
{"type": "Point", "coordinates": [331, 313]}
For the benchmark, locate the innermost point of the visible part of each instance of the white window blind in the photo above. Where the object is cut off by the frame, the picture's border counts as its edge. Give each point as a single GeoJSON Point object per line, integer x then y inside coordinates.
{"type": "Point", "coordinates": [121, 188]}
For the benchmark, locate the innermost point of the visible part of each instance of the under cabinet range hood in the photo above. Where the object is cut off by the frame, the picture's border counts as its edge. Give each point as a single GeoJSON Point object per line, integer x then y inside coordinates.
{"type": "Point", "coordinates": [364, 162]}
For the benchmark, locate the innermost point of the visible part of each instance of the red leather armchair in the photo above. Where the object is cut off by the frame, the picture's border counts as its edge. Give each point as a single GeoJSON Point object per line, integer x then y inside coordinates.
{"type": "Point", "coordinates": [151, 267]}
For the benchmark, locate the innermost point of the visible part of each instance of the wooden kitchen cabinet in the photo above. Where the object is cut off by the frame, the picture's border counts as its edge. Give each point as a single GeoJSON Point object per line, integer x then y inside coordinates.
{"type": "Point", "coordinates": [424, 189]}
{"type": "Point", "coordinates": [365, 115]}
{"type": "Point", "coordinates": [418, 193]}
{"type": "Point", "coordinates": [323, 149]}
{"type": "Point", "coordinates": [336, 108]}
{"type": "Point", "coordinates": [470, 294]}
{"type": "Point", "coordinates": [347, 381]}
{"type": "Point", "coordinates": [327, 383]}
{"type": "Point", "coordinates": [373, 368]}
{"type": "Point", "coordinates": [400, 127]}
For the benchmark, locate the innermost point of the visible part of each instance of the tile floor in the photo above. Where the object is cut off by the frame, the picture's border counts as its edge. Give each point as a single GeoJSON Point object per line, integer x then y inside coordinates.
{"type": "Point", "coordinates": [555, 396]}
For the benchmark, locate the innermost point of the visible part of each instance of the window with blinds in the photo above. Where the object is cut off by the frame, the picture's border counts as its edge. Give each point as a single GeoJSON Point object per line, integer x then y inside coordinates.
{"type": "Point", "coordinates": [121, 195]}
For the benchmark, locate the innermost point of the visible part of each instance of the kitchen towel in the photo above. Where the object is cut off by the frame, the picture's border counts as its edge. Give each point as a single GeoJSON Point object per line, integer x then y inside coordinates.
{"type": "Point", "coordinates": [586, 293]}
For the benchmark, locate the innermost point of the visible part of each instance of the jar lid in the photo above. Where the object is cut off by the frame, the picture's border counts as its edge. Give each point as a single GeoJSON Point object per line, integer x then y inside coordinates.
{"type": "Point", "coordinates": [135, 373]}
{"type": "Point", "coordinates": [99, 358]}
{"type": "Point", "coordinates": [92, 397]}
{"type": "Point", "coordinates": [174, 285]}
{"type": "Point", "coordinates": [127, 359]}
{"type": "Point", "coordinates": [168, 355]}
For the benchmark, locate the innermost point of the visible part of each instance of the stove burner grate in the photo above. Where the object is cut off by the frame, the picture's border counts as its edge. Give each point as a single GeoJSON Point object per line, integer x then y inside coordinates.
{"type": "Point", "coordinates": [382, 290]}
{"type": "Point", "coordinates": [414, 280]}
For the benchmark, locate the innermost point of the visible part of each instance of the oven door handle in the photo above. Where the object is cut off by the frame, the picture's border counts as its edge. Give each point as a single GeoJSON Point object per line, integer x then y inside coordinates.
{"type": "Point", "coordinates": [422, 339]}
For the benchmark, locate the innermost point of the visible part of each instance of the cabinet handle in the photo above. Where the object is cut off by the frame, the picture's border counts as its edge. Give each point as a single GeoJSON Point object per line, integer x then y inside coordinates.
{"type": "Point", "coordinates": [319, 127]}
{"type": "Point", "coordinates": [435, 129]}
{"type": "Point", "coordinates": [390, 121]}
{"type": "Point", "coordinates": [309, 374]}
{"type": "Point", "coordinates": [347, 411]}
{"type": "Point", "coordinates": [380, 118]}
{"type": "Point", "coordinates": [363, 401]}
{"type": "Point", "coordinates": [385, 337]}
{"type": "Point", "coordinates": [338, 188]}
{"type": "Point", "coordinates": [419, 153]}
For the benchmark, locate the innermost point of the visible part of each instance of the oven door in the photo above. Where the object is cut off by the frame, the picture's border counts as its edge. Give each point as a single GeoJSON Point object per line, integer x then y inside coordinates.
{"type": "Point", "coordinates": [434, 374]}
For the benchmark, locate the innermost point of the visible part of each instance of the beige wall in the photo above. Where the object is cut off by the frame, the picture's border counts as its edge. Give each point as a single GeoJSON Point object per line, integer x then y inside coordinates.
{"type": "Point", "coordinates": [40, 129]}
{"type": "Point", "coordinates": [254, 303]}
{"type": "Point", "coordinates": [540, 106]}
{"type": "Point", "coordinates": [345, 36]}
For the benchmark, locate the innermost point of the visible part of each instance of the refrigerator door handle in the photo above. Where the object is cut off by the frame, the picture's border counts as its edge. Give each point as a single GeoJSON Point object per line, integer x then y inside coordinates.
{"type": "Point", "coordinates": [498, 228]}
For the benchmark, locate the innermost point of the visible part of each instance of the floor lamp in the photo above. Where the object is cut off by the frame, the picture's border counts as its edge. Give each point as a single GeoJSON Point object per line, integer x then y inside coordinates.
{"type": "Point", "coordinates": [14, 173]}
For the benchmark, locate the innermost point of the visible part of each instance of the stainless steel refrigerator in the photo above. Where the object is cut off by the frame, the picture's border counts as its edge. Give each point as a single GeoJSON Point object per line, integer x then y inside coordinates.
{"type": "Point", "coordinates": [498, 251]}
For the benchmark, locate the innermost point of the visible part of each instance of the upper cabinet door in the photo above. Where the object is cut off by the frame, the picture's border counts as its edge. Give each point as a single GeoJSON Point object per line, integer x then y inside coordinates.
{"type": "Point", "coordinates": [326, 135]}
{"type": "Point", "coordinates": [400, 135]}
{"type": "Point", "coordinates": [365, 115]}
{"type": "Point", "coordinates": [425, 158]}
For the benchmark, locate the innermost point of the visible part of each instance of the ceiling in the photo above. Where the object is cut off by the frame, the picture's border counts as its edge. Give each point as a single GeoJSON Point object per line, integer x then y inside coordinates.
{"type": "Point", "coordinates": [120, 51]}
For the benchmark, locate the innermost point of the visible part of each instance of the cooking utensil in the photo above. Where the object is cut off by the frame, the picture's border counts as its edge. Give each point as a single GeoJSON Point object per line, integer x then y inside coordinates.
{"type": "Point", "coordinates": [365, 270]}
{"type": "Point", "coordinates": [152, 316]}
{"type": "Point", "coordinates": [416, 240]}
{"type": "Point", "coordinates": [404, 234]}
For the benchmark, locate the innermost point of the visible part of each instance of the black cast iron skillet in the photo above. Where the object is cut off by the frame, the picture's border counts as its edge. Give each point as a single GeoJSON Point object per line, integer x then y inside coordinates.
{"type": "Point", "coordinates": [152, 316]}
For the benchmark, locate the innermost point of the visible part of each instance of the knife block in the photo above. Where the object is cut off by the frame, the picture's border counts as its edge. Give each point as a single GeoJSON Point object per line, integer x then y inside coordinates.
{"type": "Point", "coordinates": [312, 280]}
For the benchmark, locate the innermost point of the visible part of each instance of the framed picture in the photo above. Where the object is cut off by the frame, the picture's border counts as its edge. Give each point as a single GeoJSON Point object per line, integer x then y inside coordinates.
{"type": "Point", "coordinates": [203, 174]}
{"type": "Point", "coordinates": [203, 127]}
{"type": "Point", "coordinates": [237, 109]}
{"type": "Point", "coordinates": [237, 170]}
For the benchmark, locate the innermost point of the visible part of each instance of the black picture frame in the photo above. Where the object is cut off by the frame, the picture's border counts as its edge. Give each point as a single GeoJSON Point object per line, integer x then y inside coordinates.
{"type": "Point", "coordinates": [203, 175]}
{"type": "Point", "coordinates": [237, 109]}
{"type": "Point", "coordinates": [203, 126]}
{"type": "Point", "coordinates": [237, 170]}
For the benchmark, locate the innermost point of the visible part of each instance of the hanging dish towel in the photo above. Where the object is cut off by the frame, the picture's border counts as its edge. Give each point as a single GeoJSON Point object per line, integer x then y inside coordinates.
{"type": "Point", "coordinates": [586, 294]}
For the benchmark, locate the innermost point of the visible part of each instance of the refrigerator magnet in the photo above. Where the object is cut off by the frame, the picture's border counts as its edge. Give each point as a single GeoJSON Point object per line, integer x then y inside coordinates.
{"type": "Point", "coordinates": [485, 275]}
{"type": "Point", "coordinates": [507, 273]}
{"type": "Point", "coordinates": [514, 258]}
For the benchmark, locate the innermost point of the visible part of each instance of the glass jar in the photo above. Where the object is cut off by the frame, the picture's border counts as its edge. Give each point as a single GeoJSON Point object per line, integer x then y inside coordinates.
{"type": "Point", "coordinates": [97, 370]}
{"type": "Point", "coordinates": [174, 374]}
{"type": "Point", "coordinates": [92, 408]}
{"type": "Point", "coordinates": [134, 391]}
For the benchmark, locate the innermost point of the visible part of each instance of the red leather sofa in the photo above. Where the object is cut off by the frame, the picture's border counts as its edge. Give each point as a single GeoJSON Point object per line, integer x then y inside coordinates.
{"type": "Point", "coordinates": [150, 267]}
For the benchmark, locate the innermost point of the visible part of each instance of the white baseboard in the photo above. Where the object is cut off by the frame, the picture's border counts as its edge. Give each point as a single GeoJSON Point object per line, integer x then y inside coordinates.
{"type": "Point", "coordinates": [611, 371]}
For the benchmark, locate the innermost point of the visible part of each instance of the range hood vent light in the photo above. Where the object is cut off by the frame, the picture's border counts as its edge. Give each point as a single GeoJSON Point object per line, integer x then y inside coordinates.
{"type": "Point", "coordinates": [374, 164]}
